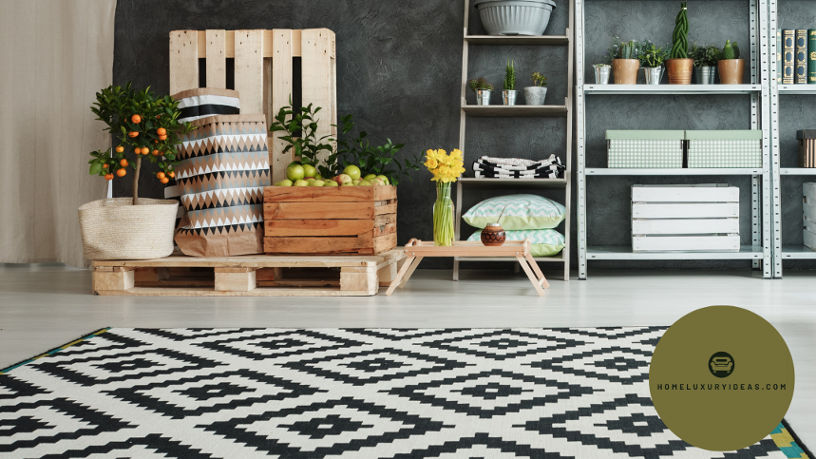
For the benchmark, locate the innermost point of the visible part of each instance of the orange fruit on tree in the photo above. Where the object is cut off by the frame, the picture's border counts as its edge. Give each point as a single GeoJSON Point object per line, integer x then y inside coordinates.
{"type": "Point", "coordinates": [105, 166]}
{"type": "Point", "coordinates": [164, 180]}
{"type": "Point", "coordinates": [171, 174]}
{"type": "Point", "coordinates": [160, 175]}
{"type": "Point", "coordinates": [156, 153]}
{"type": "Point", "coordinates": [136, 119]}
{"type": "Point", "coordinates": [163, 137]}
{"type": "Point", "coordinates": [133, 134]}
{"type": "Point", "coordinates": [120, 149]}
{"type": "Point", "coordinates": [123, 162]}
{"type": "Point", "coordinates": [121, 172]}
{"type": "Point", "coordinates": [161, 131]}
{"type": "Point", "coordinates": [145, 151]}
{"type": "Point", "coordinates": [108, 176]}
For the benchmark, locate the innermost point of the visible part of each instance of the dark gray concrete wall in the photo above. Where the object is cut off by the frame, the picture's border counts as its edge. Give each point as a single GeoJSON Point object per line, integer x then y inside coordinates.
{"type": "Point", "coordinates": [398, 72]}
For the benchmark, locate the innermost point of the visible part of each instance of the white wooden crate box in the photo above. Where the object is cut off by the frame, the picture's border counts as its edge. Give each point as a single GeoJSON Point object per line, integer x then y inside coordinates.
{"type": "Point", "coordinates": [689, 218]}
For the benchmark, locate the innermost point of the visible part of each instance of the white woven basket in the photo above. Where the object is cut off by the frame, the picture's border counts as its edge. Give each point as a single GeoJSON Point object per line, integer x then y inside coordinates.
{"type": "Point", "coordinates": [115, 229]}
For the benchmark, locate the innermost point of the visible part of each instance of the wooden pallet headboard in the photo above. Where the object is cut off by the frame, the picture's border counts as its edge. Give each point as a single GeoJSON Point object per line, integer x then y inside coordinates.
{"type": "Point", "coordinates": [263, 72]}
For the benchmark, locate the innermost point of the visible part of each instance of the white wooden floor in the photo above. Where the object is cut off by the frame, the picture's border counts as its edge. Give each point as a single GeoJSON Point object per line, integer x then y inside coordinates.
{"type": "Point", "coordinates": [43, 306]}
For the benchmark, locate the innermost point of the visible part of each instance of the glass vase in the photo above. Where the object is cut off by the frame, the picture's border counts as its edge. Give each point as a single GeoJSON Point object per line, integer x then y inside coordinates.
{"type": "Point", "coordinates": [443, 215]}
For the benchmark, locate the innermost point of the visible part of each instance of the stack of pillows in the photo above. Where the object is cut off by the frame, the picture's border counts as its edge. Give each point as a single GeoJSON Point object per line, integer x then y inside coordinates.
{"type": "Point", "coordinates": [523, 216]}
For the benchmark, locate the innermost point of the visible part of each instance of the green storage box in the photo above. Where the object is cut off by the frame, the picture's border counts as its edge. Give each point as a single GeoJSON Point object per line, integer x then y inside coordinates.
{"type": "Point", "coordinates": [645, 149]}
{"type": "Point", "coordinates": [724, 148]}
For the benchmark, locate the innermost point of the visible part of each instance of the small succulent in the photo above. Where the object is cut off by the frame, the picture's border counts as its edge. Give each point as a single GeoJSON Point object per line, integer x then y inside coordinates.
{"type": "Point", "coordinates": [479, 83]}
{"type": "Point", "coordinates": [705, 56]}
{"type": "Point", "coordinates": [539, 79]}
{"type": "Point", "coordinates": [623, 49]}
{"type": "Point", "coordinates": [510, 75]}
{"type": "Point", "coordinates": [652, 55]}
{"type": "Point", "coordinates": [731, 50]}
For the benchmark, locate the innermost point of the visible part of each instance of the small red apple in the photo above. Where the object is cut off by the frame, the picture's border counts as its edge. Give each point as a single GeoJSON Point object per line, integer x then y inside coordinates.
{"type": "Point", "coordinates": [343, 179]}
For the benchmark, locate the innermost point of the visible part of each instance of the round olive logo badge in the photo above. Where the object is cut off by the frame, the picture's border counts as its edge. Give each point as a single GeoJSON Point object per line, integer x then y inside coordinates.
{"type": "Point", "coordinates": [721, 378]}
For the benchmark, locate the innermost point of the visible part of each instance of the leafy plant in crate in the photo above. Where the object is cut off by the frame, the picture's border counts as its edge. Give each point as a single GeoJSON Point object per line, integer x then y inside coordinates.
{"type": "Point", "coordinates": [625, 62]}
{"type": "Point", "coordinates": [679, 65]}
{"type": "Point", "coordinates": [705, 63]}
{"type": "Point", "coordinates": [145, 128]}
{"type": "Point", "coordinates": [482, 88]}
{"type": "Point", "coordinates": [732, 68]}
{"type": "Point", "coordinates": [314, 156]}
{"type": "Point", "coordinates": [373, 160]}
{"type": "Point", "coordinates": [509, 92]}
{"type": "Point", "coordinates": [652, 58]}
{"type": "Point", "coordinates": [537, 93]}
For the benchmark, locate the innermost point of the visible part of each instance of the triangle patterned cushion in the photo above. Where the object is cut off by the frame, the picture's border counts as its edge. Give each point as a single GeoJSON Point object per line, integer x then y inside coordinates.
{"type": "Point", "coordinates": [222, 170]}
{"type": "Point", "coordinates": [543, 242]}
{"type": "Point", "coordinates": [516, 212]}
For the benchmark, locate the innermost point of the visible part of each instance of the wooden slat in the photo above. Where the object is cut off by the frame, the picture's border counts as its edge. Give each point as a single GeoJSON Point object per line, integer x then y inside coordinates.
{"type": "Point", "coordinates": [249, 69]}
{"type": "Point", "coordinates": [183, 60]}
{"type": "Point", "coordinates": [275, 291]}
{"type": "Point", "coordinates": [252, 261]}
{"type": "Point", "coordinates": [268, 38]}
{"type": "Point", "coordinates": [329, 194]}
{"type": "Point", "coordinates": [216, 63]}
{"type": "Point", "coordinates": [234, 279]}
{"type": "Point", "coordinates": [359, 279]}
{"type": "Point", "coordinates": [316, 244]}
{"type": "Point", "coordinates": [112, 280]}
{"type": "Point", "coordinates": [385, 242]}
{"type": "Point", "coordinates": [385, 224]}
{"type": "Point", "coordinates": [281, 93]}
{"type": "Point", "coordinates": [386, 209]}
{"type": "Point", "coordinates": [340, 210]}
{"type": "Point", "coordinates": [316, 64]}
{"type": "Point", "coordinates": [317, 227]}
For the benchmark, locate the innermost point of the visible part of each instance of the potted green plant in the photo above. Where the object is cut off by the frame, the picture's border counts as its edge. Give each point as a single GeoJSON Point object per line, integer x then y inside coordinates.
{"type": "Point", "coordinates": [145, 128]}
{"type": "Point", "coordinates": [482, 89]}
{"type": "Point", "coordinates": [625, 62]}
{"type": "Point", "coordinates": [705, 63]}
{"type": "Point", "coordinates": [732, 68]}
{"type": "Point", "coordinates": [652, 58]}
{"type": "Point", "coordinates": [679, 66]}
{"type": "Point", "coordinates": [373, 160]}
{"type": "Point", "coordinates": [537, 93]}
{"type": "Point", "coordinates": [509, 92]}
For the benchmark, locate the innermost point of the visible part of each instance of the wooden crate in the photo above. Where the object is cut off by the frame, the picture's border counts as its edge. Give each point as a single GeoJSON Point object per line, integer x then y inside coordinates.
{"type": "Point", "coordinates": [252, 275]}
{"type": "Point", "coordinates": [262, 63]}
{"type": "Point", "coordinates": [349, 219]}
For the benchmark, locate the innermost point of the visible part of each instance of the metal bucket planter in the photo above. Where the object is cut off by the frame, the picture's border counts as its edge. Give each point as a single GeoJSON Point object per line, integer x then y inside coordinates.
{"type": "Point", "coordinates": [482, 97]}
{"type": "Point", "coordinates": [515, 17]}
{"type": "Point", "coordinates": [705, 74]}
{"type": "Point", "coordinates": [509, 97]}
{"type": "Point", "coordinates": [653, 74]}
{"type": "Point", "coordinates": [602, 72]}
{"type": "Point", "coordinates": [535, 95]}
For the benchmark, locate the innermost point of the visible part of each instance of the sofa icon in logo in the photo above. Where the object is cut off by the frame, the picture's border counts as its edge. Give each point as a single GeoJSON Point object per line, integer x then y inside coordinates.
{"type": "Point", "coordinates": [721, 364]}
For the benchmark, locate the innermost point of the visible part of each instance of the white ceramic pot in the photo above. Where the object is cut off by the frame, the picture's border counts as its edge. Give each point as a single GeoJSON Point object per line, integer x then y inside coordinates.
{"type": "Point", "coordinates": [515, 17]}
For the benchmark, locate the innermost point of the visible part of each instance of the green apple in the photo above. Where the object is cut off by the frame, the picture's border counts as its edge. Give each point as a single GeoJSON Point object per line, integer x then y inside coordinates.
{"type": "Point", "coordinates": [294, 171]}
{"type": "Point", "coordinates": [309, 170]}
{"type": "Point", "coordinates": [310, 179]}
{"type": "Point", "coordinates": [384, 179]}
{"type": "Point", "coordinates": [331, 183]}
{"type": "Point", "coordinates": [343, 179]}
{"type": "Point", "coordinates": [301, 182]}
{"type": "Point", "coordinates": [370, 177]}
{"type": "Point", "coordinates": [366, 183]}
{"type": "Point", "coordinates": [352, 171]}
{"type": "Point", "coordinates": [286, 182]}
{"type": "Point", "coordinates": [317, 183]}
{"type": "Point", "coordinates": [356, 182]}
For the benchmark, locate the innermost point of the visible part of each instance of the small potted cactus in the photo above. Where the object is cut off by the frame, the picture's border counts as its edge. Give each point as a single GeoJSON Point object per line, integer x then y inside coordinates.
{"type": "Point", "coordinates": [732, 68]}
{"type": "Point", "coordinates": [625, 62]}
{"type": "Point", "coordinates": [509, 92]}
{"type": "Point", "coordinates": [679, 66]}
{"type": "Point", "coordinates": [652, 58]}
{"type": "Point", "coordinates": [482, 88]}
{"type": "Point", "coordinates": [705, 63]}
{"type": "Point", "coordinates": [535, 94]}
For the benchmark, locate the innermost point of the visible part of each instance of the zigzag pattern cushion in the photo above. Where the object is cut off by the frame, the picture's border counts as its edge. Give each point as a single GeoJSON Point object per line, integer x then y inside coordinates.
{"type": "Point", "coordinates": [516, 212]}
{"type": "Point", "coordinates": [223, 168]}
{"type": "Point", "coordinates": [543, 243]}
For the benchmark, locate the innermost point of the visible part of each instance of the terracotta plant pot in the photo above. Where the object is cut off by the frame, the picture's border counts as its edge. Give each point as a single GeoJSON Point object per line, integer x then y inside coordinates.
{"type": "Point", "coordinates": [625, 71]}
{"type": "Point", "coordinates": [679, 70]}
{"type": "Point", "coordinates": [493, 235]}
{"type": "Point", "coordinates": [732, 71]}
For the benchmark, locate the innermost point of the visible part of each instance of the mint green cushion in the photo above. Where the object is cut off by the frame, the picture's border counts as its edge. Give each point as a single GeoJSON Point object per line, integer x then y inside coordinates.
{"type": "Point", "coordinates": [543, 242]}
{"type": "Point", "coordinates": [516, 212]}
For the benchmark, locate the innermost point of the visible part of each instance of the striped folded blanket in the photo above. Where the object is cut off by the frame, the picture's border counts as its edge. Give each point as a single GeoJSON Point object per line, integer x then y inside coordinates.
{"type": "Point", "coordinates": [490, 167]}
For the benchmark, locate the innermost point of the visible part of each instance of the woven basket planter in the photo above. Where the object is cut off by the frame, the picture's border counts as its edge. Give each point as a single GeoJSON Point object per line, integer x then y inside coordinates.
{"type": "Point", "coordinates": [115, 229]}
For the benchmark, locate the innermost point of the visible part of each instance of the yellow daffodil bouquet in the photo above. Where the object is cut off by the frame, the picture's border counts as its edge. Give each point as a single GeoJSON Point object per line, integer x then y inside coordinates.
{"type": "Point", "coordinates": [446, 168]}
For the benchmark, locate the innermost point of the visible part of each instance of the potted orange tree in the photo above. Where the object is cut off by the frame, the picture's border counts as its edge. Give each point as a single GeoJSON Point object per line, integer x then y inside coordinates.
{"type": "Point", "coordinates": [145, 127]}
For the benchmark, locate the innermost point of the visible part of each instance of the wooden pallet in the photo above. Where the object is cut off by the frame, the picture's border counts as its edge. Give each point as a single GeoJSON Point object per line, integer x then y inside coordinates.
{"type": "Point", "coordinates": [358, 220]}
{"type": "Point", "coordinates": [262, 62]}
{"type": "Point", "coordinates": [254, 275]}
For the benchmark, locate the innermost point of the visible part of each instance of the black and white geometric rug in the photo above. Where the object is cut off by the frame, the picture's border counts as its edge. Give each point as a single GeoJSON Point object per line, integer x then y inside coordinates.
{"type": "Point", "coordinates": [236, 393]}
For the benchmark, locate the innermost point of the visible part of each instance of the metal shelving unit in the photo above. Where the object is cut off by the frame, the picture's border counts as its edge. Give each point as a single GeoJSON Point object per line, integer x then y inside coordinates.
{"type": "Point", "coordinates": [760, 250]}
{"type": "Point", "coordinates": [542, 111]}
{"type": "Point", "coordinates": [783, 251]}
